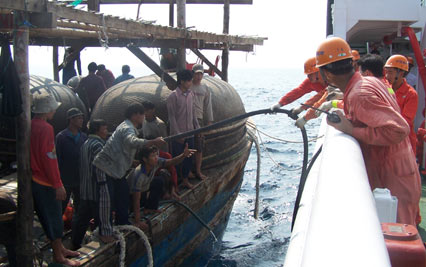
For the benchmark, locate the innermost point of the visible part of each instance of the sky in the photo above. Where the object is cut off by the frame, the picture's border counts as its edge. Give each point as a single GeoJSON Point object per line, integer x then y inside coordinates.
{"type": "Point", "coordinates": [294, 30]}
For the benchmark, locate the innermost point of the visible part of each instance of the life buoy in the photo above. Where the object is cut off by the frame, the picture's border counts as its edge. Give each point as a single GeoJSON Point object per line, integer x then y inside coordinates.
{"type": "Point", "coordinates": [210, 71]}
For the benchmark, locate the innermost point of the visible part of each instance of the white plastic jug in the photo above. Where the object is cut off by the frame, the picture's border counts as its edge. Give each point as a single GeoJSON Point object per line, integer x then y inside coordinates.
{"type": "Point", "coordinates": [386, 205]}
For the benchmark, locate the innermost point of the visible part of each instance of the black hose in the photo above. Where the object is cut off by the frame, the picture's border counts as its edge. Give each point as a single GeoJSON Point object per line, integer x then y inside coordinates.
{"type": "Point", "coordinates": [302, 186]}
{"type": "Point", "coordinates": [174, 201]}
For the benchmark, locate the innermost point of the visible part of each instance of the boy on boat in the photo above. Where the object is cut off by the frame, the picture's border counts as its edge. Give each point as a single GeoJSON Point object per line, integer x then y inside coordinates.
{"type": "Point", "coordinates": [68, 144]}
{"type": "Point", "coordinates": [313, 82]}
{"type": "Point", "coordinates": [372, 116]}
{"type": "Point", "coordinates": [112, 166]}
{"type": "Point", "coordinates": [88, 208]}
{"type": "Point", "coordinates": [396, 68]}
{"type": "Point", "coordinates": [203, 112]}
{"type": "Point", "coordinates": [145, 183]}
{"type": "Point", "coordinates": [47, 188]}
{"type": "Point", "coordinates": [152, 128]}
{"type": "Point", "coordinates": [181, 112]}
{"type": "Point", "coordinates": [125, 70]}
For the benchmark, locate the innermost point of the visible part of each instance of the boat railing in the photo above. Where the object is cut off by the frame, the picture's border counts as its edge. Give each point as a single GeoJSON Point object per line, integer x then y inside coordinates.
{"type": "Point", "coordinates": [337, 222]}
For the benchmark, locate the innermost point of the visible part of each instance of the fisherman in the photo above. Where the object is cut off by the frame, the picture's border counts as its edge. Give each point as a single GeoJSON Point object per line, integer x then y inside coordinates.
{"type": "Point", "coordinates": [91, 87]}
{"type": "Point", "coordinates": [68, 144]}
{"type": "Point", "coordinates": [88, 208]}
{"type": "Point", "coordinates": [373, 118]}
{"type": "Point", "coordinates": [313, 82]}
{"type": "Point", "coordinates": [113, 164]}
{"type": "Point", "coordinates": [68, 70]}
{"type": "Point", "coordinates": [396, 67]}
{"type": "Point", "coordinates": [147, 184]}
{"type": "Point", "coordinates": [106, 75]}
{"type": "Point", "coordinates": [355, 59]}
{"type": "Point", "coordinates": [181, 111]}
{"type": "Point", "coordinates": [203, 112]}
{"type": "Point", "coordinates": [152, 128]}
{"type": "Point", "coordinates": [125, 76]}
{"type": "Point", "coordinates": [369, 65]}
{"type": "Point", "coordinates": [47, 188]}
{"type": "Point", "coordinates": [168, 61]}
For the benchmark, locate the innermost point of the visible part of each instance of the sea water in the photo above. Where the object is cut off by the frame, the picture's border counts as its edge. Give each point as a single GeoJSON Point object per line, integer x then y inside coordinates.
{"type": "Point", "coordinates": [264, 242]}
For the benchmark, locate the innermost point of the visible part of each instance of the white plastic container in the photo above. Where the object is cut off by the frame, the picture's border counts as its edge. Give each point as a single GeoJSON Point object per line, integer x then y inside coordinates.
{"type": "Point", "coordinates": [386, 205]}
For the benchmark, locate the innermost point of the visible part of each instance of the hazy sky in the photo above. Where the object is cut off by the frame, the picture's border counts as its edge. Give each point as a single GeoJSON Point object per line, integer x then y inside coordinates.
{"type": "Point", "coordinates": [294, 30]}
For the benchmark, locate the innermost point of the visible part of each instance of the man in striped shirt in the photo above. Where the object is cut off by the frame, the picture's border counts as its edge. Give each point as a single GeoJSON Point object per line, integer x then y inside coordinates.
{"type": "Point", "coordinates": [88, 185]}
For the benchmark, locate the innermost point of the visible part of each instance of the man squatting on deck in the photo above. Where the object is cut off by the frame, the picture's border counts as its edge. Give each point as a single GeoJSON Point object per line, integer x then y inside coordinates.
{"type": "Point", "coordinates": [383, 137]}
{"type": "Point", "coordinates": [48, 191]}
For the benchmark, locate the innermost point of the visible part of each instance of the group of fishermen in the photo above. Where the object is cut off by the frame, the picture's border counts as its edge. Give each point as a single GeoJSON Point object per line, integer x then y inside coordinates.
{"type": "Point", "coordinates": [379, 109]}
{"type": "Point", "coordinates": [105, 174]}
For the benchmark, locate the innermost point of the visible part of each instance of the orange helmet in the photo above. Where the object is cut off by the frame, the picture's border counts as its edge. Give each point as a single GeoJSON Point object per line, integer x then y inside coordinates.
{"type": "Point", "coordinates": [397, 61]}
{"type": "Point", "coordinates": [355, 54]}
{"type": "Point", "coordinates": [410, 60]}
{"type": "Point", "coordinates": [332, 50]}
{"type": "Point", "coordinates": [310, 66]}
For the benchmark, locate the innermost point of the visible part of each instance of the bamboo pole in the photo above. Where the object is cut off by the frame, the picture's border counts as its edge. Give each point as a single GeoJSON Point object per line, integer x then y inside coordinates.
{"type": "Point", "coordinates": [55, 63]}
{"type": "Point", "coordinates": [181, 23]}
{"type": "Point", "coordinates": [25, 212]}
{"type": "Point", "coordinates": [171, 13]}
{"type": "Point", "coordinates": [225, 51]}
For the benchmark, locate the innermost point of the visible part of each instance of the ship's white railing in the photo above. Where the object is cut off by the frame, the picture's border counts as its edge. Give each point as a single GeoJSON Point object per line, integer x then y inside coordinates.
{"type": "Point", "coordinates": [337, 223]}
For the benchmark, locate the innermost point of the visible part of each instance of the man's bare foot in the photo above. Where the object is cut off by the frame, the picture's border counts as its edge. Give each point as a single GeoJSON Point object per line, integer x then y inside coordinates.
{"type": "Point", "coordinates": [191, 175]}
{"type": "Point", "coordinates": [149, 211]}
{"type": "Point", "coordinates": [187, 184]}
{"type": "Point", "coordinates": [66, 261]}
{"type": "Point", "coordinates": [107, 238]}
{"type": "Point", "coordinates": [141, 225]}
{"type": "Point", "coordinates": [201, 176]}
{"type": "Point", "coordinates": [70, 253]}
{"type": "Point", "coordinates": [175, 196]}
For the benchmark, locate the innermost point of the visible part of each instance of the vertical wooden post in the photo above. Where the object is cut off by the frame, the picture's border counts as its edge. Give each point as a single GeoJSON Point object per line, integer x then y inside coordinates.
{"type": "Point", "coordinates": [55, 63]}
{"type": "Point", "coordinates": [93, 5]}
{"type": "Point", "coordinates": [25, 214]}
{"type": "Point", "coordinates": [181, 23]}
{"type": "Point", "coordinates": [171, 13]}
{"type": "Point", "coordinates": [225, 51]}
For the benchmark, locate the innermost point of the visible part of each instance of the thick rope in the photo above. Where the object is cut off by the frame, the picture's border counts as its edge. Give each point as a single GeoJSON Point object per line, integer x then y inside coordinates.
{"type": "Point", "coordinates": [122, 242]}
{"type": "Point", "coordinates": [256, 203]}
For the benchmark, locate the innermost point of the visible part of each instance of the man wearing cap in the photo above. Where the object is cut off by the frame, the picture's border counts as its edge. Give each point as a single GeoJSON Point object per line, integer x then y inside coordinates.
{"type": "Point", "coordinates": [203, 112]}
{"type": "Point", "coordinates": [373, 118]}
{"type": "Point", "coordinates": [68, 144]}
{"type": "Point", "coordinates": [47, 188]}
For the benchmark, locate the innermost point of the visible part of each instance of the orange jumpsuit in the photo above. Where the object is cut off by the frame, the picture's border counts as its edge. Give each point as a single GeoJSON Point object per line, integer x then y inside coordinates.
{"type": "Point", "coordinates": [407, 100]}
{"type": "Point", "coordinates": [305, 87]}
{"type": "Point", "coordinates": [383, 136]}
{"type": "Point", "coordinates": [310, 114]}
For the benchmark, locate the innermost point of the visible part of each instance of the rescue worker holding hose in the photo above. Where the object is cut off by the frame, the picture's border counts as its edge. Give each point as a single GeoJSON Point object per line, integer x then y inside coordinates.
{"type": "Point", "coordinates": [312, 83]}
{"type": "Point", "coordinates": [372, 116]}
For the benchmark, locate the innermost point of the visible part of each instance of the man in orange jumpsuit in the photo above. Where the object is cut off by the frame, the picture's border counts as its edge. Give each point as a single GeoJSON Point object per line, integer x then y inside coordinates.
{"type": "Point", "coordinates": [396, 67]}
{"type": "Point", "coordinates": [355, 59]}
{"type": "Point", "coordinates": [373, 118]}
{"type": "Point", "coordinates": [313, 82]}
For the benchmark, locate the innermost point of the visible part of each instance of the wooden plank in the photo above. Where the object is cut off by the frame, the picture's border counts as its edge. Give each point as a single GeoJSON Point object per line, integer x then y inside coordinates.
{"type": "Point", "coordinates": [25, 213]}
{"type": "Point", "coordinates": [203, 58]}
{"type": "Point", "coordinates": [181, 23]}
{"type": "Point", "coordinates": [233, 2]}
{"type": "Point", "coordinates": [127, 25]}
{"type": "Point", "coordinates": [171, 13]}
{"type": "Point", "coordinates": [55, 63]}
{"type": "Point", "coordinates": [225, 51]}
{"type": "Point", "coordinates": [170, 82]}
{"type": "Point", "coordinates": [73, 56]}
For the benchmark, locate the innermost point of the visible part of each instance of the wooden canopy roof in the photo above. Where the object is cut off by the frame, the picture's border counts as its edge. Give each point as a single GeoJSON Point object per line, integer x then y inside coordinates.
{"type": "Point", "coordinates": [57, 24]}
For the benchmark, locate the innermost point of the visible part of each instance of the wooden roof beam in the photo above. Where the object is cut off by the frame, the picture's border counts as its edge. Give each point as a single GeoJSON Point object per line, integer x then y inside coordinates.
{"type": "Point", "coordinates": [233, 2]}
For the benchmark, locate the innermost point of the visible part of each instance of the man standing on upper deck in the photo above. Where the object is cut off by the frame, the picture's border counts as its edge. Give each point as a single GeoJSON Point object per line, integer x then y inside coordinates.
{"type": "Point", "coordinates": [203, 112]}
{"type": "Point", "coordinates": [106, 75]}
{"type": "Point", "coordinates": [90, 87]}
{"type": "Point", "coordinates": [313, 82]}
{"type": "Point", "coordinates": [396, 67]}
{"type": "Point", "coordinates": [181, 112]}
{"type": "Point", "coordinates": [47, 188]}
{"type": "Point", "coordinates": [373, 118]}
{"type": "Point", "coordinates": [125, 76]}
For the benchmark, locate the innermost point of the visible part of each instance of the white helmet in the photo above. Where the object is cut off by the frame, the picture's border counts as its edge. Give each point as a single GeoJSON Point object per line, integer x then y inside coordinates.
{"type": "Point", "coordinates": [74, 82]}
{"type": "Point", "coordinates": [43, 102]}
